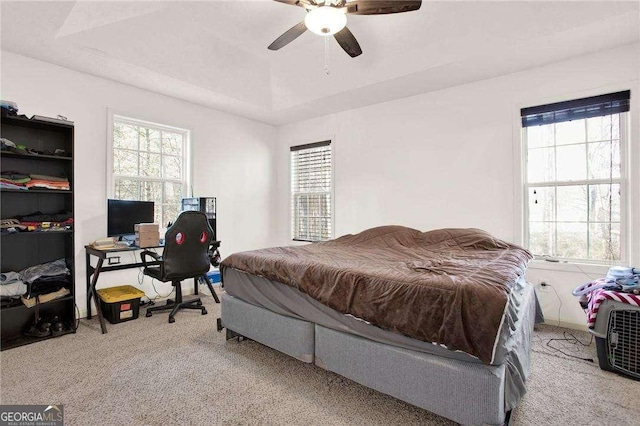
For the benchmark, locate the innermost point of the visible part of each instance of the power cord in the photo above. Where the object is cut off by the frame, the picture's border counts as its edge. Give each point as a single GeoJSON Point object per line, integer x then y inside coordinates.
{"type": "Point", "coordinates": [158, 295]}
{"type": "Point", "coordinates": [77, 322]}
{"type": "Point", "coordinates": [573, 340]}
{"type": "Point", "coordinates": [141, 281]}
{"type": "Point", "coordinates": [546, 284]}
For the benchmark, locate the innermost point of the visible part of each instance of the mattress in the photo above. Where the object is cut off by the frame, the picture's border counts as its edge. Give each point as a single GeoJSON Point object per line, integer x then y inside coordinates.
{"type": "Point", "coordinates": [455, 287]}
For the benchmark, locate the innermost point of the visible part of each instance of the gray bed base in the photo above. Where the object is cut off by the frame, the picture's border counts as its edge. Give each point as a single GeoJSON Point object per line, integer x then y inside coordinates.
{"type": "Point", "coordinates": [468, 393]}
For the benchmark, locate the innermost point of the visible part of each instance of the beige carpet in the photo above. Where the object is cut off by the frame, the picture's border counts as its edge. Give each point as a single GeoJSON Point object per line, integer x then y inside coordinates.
{"type": "Point", "coordinates": [154, 373]}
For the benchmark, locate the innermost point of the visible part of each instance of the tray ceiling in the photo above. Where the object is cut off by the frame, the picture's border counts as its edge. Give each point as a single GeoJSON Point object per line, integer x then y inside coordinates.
{"type": "Point", "coordinates": [214, 53]}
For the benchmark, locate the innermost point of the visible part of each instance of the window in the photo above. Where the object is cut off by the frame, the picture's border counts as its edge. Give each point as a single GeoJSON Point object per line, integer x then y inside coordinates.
{"type": "Point", "coordinates": [149, 164]}
{"type": "Point", "coordinates": [311, 191]}
{"type": "Point", "coordinates": [575, 186]}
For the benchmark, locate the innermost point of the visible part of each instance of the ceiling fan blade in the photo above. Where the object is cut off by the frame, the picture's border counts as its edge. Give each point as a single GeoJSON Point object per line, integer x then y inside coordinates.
{"type": "Point", "coordinates": [290, 35]}
{"type": "Point", "coordinates": [301, 3]}
{"type": "Point", "coordinates": [381, 7]}
{"type": "Point", "coordinates": [348, 42]}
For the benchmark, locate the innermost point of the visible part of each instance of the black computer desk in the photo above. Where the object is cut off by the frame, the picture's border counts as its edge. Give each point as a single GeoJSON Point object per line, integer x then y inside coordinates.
{"type": "Point", "coordinates": [102, 255]}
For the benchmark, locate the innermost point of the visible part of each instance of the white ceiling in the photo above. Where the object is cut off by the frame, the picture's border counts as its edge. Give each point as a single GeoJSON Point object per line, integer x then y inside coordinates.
{"type": "Point", "coordinates": [214, 52]}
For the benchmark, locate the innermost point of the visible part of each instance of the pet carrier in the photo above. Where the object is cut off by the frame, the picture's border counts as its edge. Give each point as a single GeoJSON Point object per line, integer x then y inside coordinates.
{"type": "Point", "coordinates": [617, 338]}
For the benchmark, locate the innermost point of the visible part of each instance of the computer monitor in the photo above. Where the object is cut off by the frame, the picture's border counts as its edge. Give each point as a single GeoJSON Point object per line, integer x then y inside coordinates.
{"type": "Point", "coordinates": [122, 216]}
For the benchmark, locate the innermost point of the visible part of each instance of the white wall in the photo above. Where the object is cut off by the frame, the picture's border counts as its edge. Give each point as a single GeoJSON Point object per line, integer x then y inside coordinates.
{"type": "Point", "coordinates": [233, 156]}
{"type": "Point", "coordinates": [450, 158]}
{"type": "Point", "coordinates": [441, 159]}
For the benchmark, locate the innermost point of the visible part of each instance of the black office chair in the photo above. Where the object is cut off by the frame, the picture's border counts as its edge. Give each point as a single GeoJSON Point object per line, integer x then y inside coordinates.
{"type": "Point", "coordinates": [186, 247]}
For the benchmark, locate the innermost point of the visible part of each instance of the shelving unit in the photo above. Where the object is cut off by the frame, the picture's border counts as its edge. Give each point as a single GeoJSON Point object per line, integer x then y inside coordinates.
{"type": "Point", "coordinates": [23, 249]}
{"type": "Point", "coordinates": [206, 205]}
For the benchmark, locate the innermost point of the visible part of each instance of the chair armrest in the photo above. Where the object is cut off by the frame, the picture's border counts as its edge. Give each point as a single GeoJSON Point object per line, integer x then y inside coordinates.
{"type": "Point", "coordinates": [152, 254]}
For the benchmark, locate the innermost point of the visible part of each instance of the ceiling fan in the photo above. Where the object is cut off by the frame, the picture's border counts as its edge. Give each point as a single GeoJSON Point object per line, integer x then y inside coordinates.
{"type": "Point", "coordinates": [329, 17]}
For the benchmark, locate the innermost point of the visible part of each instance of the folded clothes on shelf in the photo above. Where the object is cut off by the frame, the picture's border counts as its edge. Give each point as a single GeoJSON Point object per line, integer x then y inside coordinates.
{"type": "Point", "coordinates": [49, 178]}
{"type": "Point", "coordinates": [35, 217]}
{"type": "Point", "coordinates": [49, 269]}
{"type": "Point", "coordinates": [15, 180]}
{"type": "Point", "coordinates": [9, 277]}
{"type": "Point", "coordinates": [48, 184]}
{"type": "Point", "coordinates": [14, 177]}
{"type": "Point", "coordinates": [10, 179]}
{"type": "Point", "coordinates": [38, 221]}
{"type": "Point", "coordinates": [44, 285]}
{"type": "Point", "coordinates": [11, 225]}
{"type": "Point", "coordinates": [8, 185]}
{"type": "Point", "coordinates": [10, 146]}
{"type": "Point", "coordinates": [11, 284]}
{"type": "Point", "coordinates": [17, 288]}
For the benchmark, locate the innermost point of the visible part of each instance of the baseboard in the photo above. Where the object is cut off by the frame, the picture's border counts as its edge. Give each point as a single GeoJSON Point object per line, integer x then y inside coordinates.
{"type": "Point", "coordinates": [566, 324]}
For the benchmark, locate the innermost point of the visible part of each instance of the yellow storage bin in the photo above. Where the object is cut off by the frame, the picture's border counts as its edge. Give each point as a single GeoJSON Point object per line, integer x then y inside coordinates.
{"type": "Point", "coordinates": [121, 303]}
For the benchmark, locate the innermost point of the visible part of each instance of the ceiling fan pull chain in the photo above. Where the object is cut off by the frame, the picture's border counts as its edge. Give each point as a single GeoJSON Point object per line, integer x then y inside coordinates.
{"type": "Point", "coordinates": [326, 55]}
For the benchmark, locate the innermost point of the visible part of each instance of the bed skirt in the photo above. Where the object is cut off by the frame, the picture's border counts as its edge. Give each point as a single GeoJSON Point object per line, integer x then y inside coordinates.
{"type": "Point", "coordinates": [466, 392]}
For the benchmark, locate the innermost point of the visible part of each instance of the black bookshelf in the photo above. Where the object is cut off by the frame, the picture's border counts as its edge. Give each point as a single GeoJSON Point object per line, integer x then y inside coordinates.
{"type": "Point", "coordinates": [23, 249]}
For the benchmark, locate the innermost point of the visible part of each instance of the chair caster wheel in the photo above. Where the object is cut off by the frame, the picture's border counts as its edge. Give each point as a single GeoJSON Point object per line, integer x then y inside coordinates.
{"type": "Point", "coordinates": [148, 314]}
{"type": "Point", "coordinates": [172, 319]}
{"type": "Point", "coordinates": [204, 311]}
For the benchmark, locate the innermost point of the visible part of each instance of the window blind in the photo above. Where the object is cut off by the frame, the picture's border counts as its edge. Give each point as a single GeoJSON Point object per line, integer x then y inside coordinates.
{"type": "Point", "coordinates": [595, 106]}
{"type": "Point", "coordinates": [311, 188]}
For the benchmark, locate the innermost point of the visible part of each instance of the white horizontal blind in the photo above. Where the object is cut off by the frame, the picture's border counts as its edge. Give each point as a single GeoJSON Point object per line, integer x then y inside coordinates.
{"type": "Point", "coordinates": [311, 188]}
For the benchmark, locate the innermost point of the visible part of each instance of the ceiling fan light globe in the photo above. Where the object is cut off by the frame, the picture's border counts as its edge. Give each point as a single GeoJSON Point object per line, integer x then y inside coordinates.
{"type": "Point", "coordinates": [325, 20]}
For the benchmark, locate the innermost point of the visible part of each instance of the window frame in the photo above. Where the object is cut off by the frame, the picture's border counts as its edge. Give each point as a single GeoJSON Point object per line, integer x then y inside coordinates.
{"type": "Point", "coordinates": [626, 215]}
{"type": "Point", "coordinates": [331, 192]}
{"type": "Point", "coordinates": [187, 171]}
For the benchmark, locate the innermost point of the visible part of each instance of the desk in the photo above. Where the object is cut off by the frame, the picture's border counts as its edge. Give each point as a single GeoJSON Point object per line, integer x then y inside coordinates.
{"type": "Point", "coordinates": [94, 272]}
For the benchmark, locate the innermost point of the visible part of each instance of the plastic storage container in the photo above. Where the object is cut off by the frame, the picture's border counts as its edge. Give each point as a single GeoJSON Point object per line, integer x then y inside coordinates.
{"type": "Point", "coordinates": [214, 276]}
{"type": "Point", "coordinates": [121, 303]}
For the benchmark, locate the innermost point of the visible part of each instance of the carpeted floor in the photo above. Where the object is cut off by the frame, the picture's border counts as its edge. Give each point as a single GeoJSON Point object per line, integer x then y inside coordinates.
{"type": "Point", "coordinates": [154, 373]}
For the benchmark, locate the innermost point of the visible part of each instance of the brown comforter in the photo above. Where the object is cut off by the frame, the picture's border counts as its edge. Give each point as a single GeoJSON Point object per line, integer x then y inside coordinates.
{"type": "Point", "coordinates": [448, 286]}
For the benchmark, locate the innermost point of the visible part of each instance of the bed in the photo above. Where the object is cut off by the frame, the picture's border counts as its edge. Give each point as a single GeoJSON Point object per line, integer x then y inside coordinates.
{"type": "Point", "coordinates": [440, 319]}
